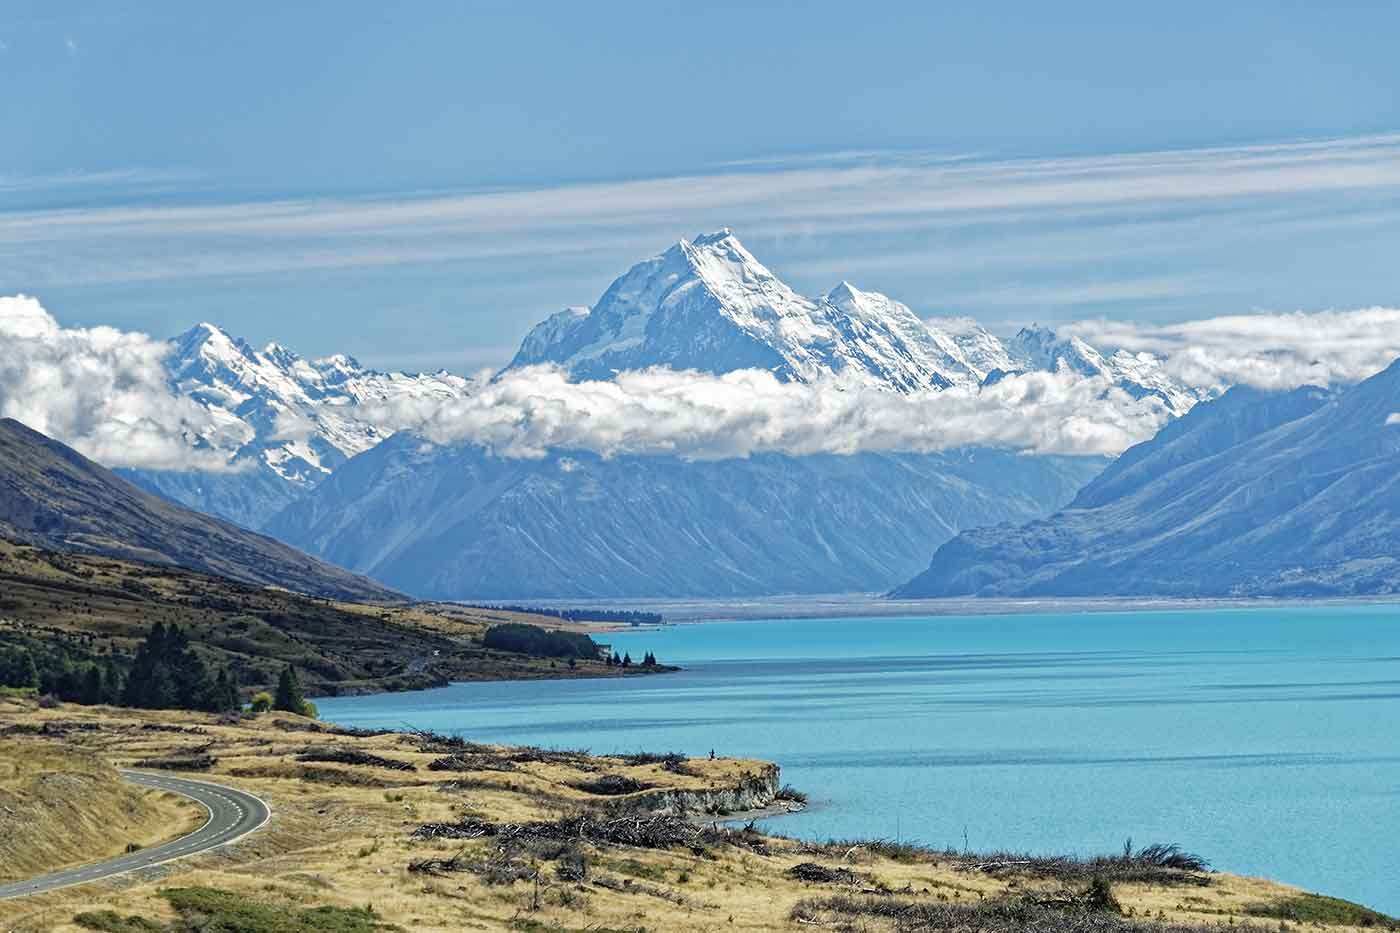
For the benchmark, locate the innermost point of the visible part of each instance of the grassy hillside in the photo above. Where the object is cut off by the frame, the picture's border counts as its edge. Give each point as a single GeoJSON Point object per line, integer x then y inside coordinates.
{"type": "Point", "coordinates": [53, 497]}
{"type": "Point", "coordinates": [91, 607]}
{"type": "Point", "coordinates": [61, 806]}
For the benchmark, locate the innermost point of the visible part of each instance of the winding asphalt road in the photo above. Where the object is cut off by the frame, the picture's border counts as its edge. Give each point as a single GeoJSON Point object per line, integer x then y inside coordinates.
{"type": "Point", "coordinates": [233, 814]}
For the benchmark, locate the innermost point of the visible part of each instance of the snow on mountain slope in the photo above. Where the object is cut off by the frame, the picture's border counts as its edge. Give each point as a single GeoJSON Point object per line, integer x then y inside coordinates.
{"type": "Point", "coordinates": [289, 420]}
{"type": "Point", "coordinates": [1139, 374]}
{"type": "Point", "coordinates": [983, 352]}
{"type": "Point", "coordinates": [709, 305]}
{"type": "Point", "coordinates": [301, 417]}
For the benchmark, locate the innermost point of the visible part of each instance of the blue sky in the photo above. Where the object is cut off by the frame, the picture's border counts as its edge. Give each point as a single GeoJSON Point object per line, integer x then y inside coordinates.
{"type": "Point", "coordinates": [417, 184]}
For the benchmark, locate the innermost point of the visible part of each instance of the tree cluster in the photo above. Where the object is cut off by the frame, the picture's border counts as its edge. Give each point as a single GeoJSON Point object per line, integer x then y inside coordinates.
{"type": "Point", "coordinates": [167, 674]}
{"type": "Point", "coordinates": [648, 660]}
{"type": "Point", "coordinates": [541, 643]}
{"type": "Point", "coordinates": [611, 616]}
{"type": "Point", "coordinates": [55, 673]}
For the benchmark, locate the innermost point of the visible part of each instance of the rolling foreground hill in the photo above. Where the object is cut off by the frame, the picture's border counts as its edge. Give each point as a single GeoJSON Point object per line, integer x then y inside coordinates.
{"type": "Point", "coordinates": [1293, 494]}
{"type": "Point", "coordinates": [457, 523]}
{"type": "Point", "coordinates": [89, 608]}
{"type": "Point", "coordinates": [53, 497]}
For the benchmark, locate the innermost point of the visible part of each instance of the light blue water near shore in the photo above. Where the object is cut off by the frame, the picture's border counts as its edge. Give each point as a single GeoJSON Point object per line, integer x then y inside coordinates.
{"type": "Point", "coordinates": [1268, 740]}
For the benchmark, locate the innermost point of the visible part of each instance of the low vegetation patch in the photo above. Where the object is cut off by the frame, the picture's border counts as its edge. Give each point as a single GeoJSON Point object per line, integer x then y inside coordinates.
{"type": "Point", "coordinates": [1315, 908]}
{"type": "Point", "coordinates": [210, 910]}
{"type": "Point", "coordinates": [1001, 915]}
{"type": "Point", "coordinates": [109, 921]}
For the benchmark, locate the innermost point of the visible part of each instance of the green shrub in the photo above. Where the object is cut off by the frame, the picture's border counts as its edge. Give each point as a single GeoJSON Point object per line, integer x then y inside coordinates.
{"type": "Point", "coordinates": [109, 921]}
{"type": "Point", "coordinates": [1315, 908]}
{"type": "Point", "coordinates": [210, 910]}
{"type": "Point", "coordinates": [262, 702]}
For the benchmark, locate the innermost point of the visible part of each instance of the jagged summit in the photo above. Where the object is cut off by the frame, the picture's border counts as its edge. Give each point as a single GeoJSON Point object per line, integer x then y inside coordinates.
{"type": "Point", "coordinates": [1140, 374]}
{"type": "Point", "coordinates": [708, 304]}
{"type": "Point", "coordinates": [289, 420]}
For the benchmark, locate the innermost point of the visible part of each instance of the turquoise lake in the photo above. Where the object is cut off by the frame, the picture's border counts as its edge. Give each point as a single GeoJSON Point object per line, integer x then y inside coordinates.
{"type": "Point", "coordinates": [1266, 739]}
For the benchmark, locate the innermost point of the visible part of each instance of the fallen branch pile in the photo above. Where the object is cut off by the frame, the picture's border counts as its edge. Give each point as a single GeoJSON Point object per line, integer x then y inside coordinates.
{"type": "Point", "coordinates": [192, 762]}
{"type": "Point", "coordinates": [353, 756]}
{"type": "Point", "coordinates": [821, 874]}
{"type": "Point", "coordinates": [471, 761]}
{"type": "Point", "coordinates": [612, 785]}
{"type": "Point", "coordinates": [641, 832]}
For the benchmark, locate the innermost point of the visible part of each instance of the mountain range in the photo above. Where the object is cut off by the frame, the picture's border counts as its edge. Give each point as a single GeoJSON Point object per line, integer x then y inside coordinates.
{"type": "Point", "coordinates": [53, 497]}
{"type": "Point", "coordinates": [317, 471]}
{"type": "Point", "coordinates": [1255, 493]}
{"type": "Point", "coordinates": [709, 305]}
{"type": "Point", "coordinates": [285, 422]}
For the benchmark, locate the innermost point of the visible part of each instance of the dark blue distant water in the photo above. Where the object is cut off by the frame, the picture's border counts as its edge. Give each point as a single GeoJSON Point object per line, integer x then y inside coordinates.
{"type": "Point", "coordinates": [1268, 740]}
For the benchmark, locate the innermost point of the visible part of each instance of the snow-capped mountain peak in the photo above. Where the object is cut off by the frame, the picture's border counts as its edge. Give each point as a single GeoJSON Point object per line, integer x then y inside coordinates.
{"type": "Point", "coordinates": [301, 418]}
{"type": "Point", "coordinates": [1139, 374]}
{"type": "Point", "coordinates": [708, 304]}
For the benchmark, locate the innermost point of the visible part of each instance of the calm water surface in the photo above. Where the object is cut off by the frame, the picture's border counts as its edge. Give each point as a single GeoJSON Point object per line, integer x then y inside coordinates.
{"type": "Point", "coordinates": [1268, 740]}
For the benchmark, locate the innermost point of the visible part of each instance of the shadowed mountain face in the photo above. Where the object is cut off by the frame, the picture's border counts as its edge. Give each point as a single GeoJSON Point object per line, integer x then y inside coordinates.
{"type": "Point", "coordinates": [1293, 493]}
{"type": "Point", "coordinates": [53, 497]}
{"type": "Point", "coordinates": [457, 523]}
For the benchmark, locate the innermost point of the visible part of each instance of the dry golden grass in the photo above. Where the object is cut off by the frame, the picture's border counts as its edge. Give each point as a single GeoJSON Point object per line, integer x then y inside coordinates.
{"type": "Point", "coordinates": [60, 806]}
{"type": "Point", "coordinates": [341, 836]}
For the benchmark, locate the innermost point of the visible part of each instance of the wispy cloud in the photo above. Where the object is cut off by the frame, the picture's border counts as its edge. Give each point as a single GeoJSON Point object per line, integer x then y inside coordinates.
{"type": "Point", "coordinates": [1099, 291]}
{"type": "Point", "coordinates": [129, 181]}
{"type": "Point", "coordinates": [793, 198]}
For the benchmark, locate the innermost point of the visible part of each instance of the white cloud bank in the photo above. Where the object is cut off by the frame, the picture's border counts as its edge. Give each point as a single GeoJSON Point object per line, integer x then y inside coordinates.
{"type": "Point", "coordinates": [104, 391]}
{"type": "Point", "coordinates": [1268, 351]}
{"type": "Point", "coordinates": [100, 390]}
{"type": "Point", "coordinates": [704, 417]}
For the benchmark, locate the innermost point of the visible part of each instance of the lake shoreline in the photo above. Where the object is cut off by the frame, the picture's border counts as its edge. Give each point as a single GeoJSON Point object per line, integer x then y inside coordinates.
{"type": "Point", "coordinates": [874, 605]}
{"type": "Point", "coordinates": [1079, 729]}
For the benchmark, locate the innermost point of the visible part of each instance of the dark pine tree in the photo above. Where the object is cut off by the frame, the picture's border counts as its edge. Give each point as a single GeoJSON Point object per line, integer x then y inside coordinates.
{"type": "Point", "coordinates": [289, 697]}
{"type": "Point", "coordinates": [92, 686]}
{"type": "Point", "coordinates": [224, 695]}
{"type": "Point", "coordinates": [111, 685]}
{"type": "Point", "coordinates": [17, 669]}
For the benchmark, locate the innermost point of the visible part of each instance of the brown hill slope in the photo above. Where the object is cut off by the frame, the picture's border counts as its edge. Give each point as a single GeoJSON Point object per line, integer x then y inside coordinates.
{"type": "Point", "coordinates": [53, 497]}
{"type": "Point", "coordinates": [88, 607]}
